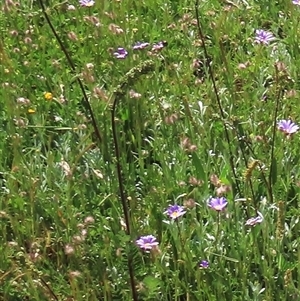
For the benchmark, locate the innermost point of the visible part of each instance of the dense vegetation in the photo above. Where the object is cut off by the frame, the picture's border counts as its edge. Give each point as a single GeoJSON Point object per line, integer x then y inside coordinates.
{"type": "Point", "coordinates": [149, 150]}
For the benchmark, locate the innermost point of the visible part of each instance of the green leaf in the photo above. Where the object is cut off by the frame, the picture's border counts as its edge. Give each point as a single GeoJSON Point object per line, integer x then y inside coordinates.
{"type": "Point", "coordinates": [152, 283]}
{"type": "Point", "coordinates": [199, 167]}
{"type": "Point", "coordinates": [274, 171]}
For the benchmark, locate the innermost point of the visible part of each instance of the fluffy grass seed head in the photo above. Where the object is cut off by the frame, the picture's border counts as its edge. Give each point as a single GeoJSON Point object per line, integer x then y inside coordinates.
{"type": "Point", "coordinates": [251, 166]}
{"type": "Point", "coordinates": [23, 101]}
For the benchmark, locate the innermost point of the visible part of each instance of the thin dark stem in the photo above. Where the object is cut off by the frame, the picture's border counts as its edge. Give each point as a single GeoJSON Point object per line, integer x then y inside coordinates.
{"type": "Point", "coordinates": [217, 236]}
{"type": "Point", "coordinates": [119, 168]}
{"type": "Point", "coordinates": [49, 289]}
{"type": "Point", "coordinates": [72, 66]}
{"type": "Point", "coordinates": [126, 81]}
{"type": "Point", "coordinates": [273, 142]}
{"type": "Point", "coordinates": [211, 74]}
{"type": "Point", "coordinates": [122, 194]}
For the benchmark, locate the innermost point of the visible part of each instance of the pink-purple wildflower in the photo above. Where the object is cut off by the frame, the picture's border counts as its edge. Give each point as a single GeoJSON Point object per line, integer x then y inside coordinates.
{"type": "Point", "coordinates": [287, 127]}
{"type": "Point", "coordinates": [255, 220]}
{"type": "Point", "coordinates": [86, 3]}
{"type": "Point", "coordinates": [140, 45]}
{"type": "Point", "coordinates": [147, 242]}
{"type": "Point", "coordinates": [263, 37]}
{"type": "Point", "coordinates": [175, 211]}
{"type": "Point", "coordinates": [296, 2]}
{"type": "Point", "coordinates": [218, 203]}
{"type": "Point", "coordinates": [120, 53]}
{"type": "Point", "coordinates": [204, 264]}
{"type": "Point", "coordinates": [158, 46]}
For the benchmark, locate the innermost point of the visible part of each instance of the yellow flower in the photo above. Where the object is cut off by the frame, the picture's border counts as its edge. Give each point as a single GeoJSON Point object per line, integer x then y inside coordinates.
{"type": "Point", "coordinates": [48, 95]}
{"type": "Point", "coordinates": [31, 111]}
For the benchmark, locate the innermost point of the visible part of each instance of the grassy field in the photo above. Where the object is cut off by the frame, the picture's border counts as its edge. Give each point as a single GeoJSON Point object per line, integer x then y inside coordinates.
{"type": "Point", "coordinates": [149, 150]}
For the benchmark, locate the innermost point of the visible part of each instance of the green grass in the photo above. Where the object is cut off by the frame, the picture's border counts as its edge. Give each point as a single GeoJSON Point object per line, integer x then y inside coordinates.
{"type": "Point", "coordinates": [63, 225]}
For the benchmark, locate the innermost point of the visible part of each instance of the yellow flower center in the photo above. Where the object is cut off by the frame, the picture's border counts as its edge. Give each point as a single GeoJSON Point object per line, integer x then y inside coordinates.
{"type": "Point", "coordinates": [48, 96]}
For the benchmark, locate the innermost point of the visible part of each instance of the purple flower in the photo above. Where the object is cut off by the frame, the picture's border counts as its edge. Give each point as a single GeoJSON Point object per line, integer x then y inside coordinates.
{"type": "Point", "coordinates": [255, 220]}
{"type": "Point", "coordinates": [296, 2]}
{"type": "Point", "coordinates": [217, 203]}
{"type": "Point", "coordinates": [158, 46]}
{"type": "Point", "coordinates": [263, 37]}
{"type": "Point", "coordinates": [140, 45]}
{"type": "Point", "coordinates": [204, 264]}
{"type": "Point", "coordinates": [86, 3]}
{"type": "Point", "coordinates": [120, 53]}
{"type": "Point", "coordinates": [287, 126]}
{"type": "Point", "coordinates": [147, 242]}
{"type": "Point", "coordinates": [174, 211]}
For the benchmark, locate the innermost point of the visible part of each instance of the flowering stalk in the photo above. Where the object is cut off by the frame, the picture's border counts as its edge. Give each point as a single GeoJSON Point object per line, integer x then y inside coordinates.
{"type": "Point", "coordinates": [218, 204]}
{"type": "Point", "coordinates": [243, 144]}
{"type": "Point", "coordinates": [263, 176]}
{"type": "Point", "coordinates": [218, 231]}
{"type": "Point", "coordinates": [119, 92]}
